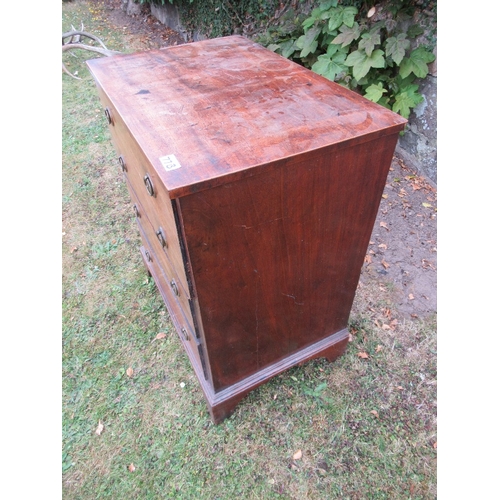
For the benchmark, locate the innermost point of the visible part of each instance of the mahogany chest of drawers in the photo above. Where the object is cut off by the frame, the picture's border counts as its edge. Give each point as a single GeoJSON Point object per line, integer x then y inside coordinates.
{"type": "Point", "coordinates": [255, 183]}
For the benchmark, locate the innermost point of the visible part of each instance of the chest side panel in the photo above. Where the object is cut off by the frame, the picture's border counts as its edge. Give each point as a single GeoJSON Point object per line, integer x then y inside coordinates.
{"type": "Point", "coordinates": [276, 257]}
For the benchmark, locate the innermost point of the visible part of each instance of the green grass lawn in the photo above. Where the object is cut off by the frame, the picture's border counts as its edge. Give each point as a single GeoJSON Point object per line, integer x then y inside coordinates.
{"type": "Point", "coordinates": [134, 421]}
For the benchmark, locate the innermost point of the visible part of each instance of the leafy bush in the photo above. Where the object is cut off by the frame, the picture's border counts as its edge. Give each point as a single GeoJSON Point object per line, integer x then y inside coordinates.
{"type": "Point", "coordinates": [380, 58]}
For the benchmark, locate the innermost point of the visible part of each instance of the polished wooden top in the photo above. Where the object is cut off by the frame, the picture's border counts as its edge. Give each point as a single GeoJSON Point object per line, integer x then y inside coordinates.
{"type": "Point", "coordinates": [206, 113]}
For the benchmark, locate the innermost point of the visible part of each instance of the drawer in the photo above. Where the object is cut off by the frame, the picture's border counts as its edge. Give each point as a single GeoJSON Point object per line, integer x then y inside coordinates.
{"type": "Point", "coordinates": [148, 189]}
{"type": "Point", "coordinates": [159, 212]}
{"type": "Point", "coordinates": [175, 291]}
{"type": "Point", "coordinates": [162, 238]}
{"type": "Point", "coordinates": [182, 326]}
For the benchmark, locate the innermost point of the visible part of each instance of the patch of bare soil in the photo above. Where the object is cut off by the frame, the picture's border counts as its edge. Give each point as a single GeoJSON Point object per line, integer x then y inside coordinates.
{"type": "Point", "coordinates": [403, 246]}
{"type": "Point", "coordinates": [151, 34]}
{"type": "Point", "coordinates": [403, 250]}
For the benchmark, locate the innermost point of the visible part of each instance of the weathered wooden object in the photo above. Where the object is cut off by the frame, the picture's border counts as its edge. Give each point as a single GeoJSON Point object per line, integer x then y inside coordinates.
{"type": "Point", "coordinates": [256, 184]}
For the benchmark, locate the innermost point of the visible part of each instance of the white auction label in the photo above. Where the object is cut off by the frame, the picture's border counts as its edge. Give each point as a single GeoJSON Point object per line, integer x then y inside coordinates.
{"type": "Point", "coordinates": [170, 162]}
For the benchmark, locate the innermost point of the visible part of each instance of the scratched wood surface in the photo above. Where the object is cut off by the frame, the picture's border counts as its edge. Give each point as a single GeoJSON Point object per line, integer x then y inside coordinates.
{"type": "Point", "coordinates": [277, 256]}
{"type": "Point", "coordinates": [267, 180]}
{"type": "Point", "coordinates": [225, 105]}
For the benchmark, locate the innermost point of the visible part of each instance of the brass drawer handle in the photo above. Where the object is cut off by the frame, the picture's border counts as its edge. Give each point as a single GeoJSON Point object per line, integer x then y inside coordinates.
{"type": "Point", "coordinates": [185, 334]}
{"type": "Point", "coordinates": [148, 256]}
{"type": "Point", "coordinates": [136, 211]}
{"type": "Point", "coordinates": [149, 185]}
{"type": "Point", "coordinates": [161, 237]}
{"type": "Point", "coordinates": [121, 161]}
{"type": "Point", "coordinates": [173, 286]}
{"type": "Point", "coordinates": [107, 112]}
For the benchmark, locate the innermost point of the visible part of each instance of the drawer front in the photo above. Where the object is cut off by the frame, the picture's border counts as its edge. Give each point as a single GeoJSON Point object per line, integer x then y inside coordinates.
{"type": "Point", "coordinates": [182, 326]}
{"type": "Point", "coordinates": [175, 291]}
{"type": "Point", "coordinates": [158, 210]}
{"type": "Point", "coordinates": [148, 188]}
{"type": "Point", "coordinates": [164, 249]}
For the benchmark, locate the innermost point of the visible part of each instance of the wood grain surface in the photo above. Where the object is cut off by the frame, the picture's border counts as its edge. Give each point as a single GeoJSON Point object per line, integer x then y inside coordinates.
{"type": "Point", "coordinates": [264, 184]}
{"type": "Point", "coordinates": [225, 105]}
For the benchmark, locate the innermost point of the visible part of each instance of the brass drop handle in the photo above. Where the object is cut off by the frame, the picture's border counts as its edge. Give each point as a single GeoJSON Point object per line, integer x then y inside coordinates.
{"type": "Point", "coordinates": [136, 211]}
{"type": "Point", "coordinates": [173, 286]}
{"type": "Point", "coordinates": [149, 185]}
{"type": "Point", "coordinates": [107, 112]}
{"type": "Point", "coordinates": [161, 237]}
{"type": "Point", "coordinates": [148, 256]}
{"type": "Point", "coordinates": [185, 334]}
{"type": "Point", "coordinates": [121, 161]}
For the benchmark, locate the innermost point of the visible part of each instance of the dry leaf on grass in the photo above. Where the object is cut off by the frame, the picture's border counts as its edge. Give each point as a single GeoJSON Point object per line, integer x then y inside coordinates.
{"type": "Point", "coordinates": [160, 336]}
{"type": "Point", "coordinates": [297, 455]}
{"type": "Point", "coordinates": [100, 428]}
{"type": "Point", "coordinates": [363, 355]}
{"type": "Point", "coordinates": [131, 468]}
{"type": "Point", "coordinates": [374, 412]}
{"type": "Point", "coordinates": [130, 371]}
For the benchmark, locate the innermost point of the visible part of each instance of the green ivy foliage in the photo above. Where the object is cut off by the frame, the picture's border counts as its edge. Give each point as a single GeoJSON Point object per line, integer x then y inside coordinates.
{"type": "Point", "coordinates": [383, 59]}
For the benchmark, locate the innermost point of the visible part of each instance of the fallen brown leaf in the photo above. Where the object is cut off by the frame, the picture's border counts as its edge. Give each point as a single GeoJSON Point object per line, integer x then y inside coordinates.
{"type": "Point", "coordinates": [130, 371]}
{"type": "Point", "coordinates": [385, 264]}
{"type": "Point", "coordinates": [384, 225]}
{"type": "Point", "coordinates": [378, 348]}
{"type": "Point", "coordinates": [410, 296]}
{"type": "Point", "coordinates": [160, 336]}
{"type": "Point", "coordinates": [131, 468]}
{"type": "Point", "coordinates": [374, 412]}
{"type": "Point", "coordinates": [297, 455]}
{"type": "Point", "coordinates": [363, 355]}
{"type": "Point", "coordinates": [426, 264]}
